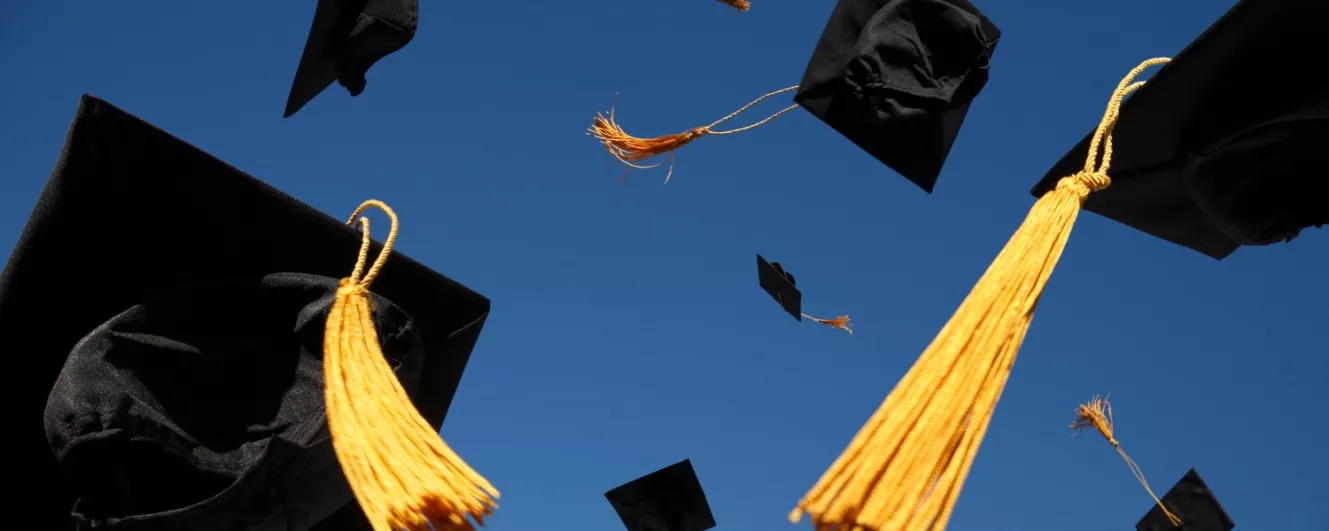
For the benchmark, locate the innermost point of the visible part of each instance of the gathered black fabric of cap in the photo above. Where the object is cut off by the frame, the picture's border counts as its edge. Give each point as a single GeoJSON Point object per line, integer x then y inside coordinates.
{"type": "Point", "coordinates": [167, 311]}
{"type": "Point", "coordinates": [1225, 145]}
{"type": "Point", "coordinates": [897, 77]}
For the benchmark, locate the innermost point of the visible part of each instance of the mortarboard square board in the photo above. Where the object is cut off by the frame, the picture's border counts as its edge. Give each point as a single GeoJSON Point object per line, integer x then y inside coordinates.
{"type": "Point", "coordinates": [669, 499]}
{"type": "Point", "coordinates": [780, 285]}
{"type": "Point", "coordinates": [896, 77]}
{"type": "Point", "coordinates": [1191, 501]}
{"type": "Point", "coordinates": [167, 312]}
{"type": "Point", "coordinates": [1225, 145]}
{"type": "Point", "coordinates": [346, 39]}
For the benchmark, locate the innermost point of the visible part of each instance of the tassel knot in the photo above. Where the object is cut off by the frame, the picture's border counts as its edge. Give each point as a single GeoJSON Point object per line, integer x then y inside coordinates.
{"type": "Point", "coordinates": [1084, 182]}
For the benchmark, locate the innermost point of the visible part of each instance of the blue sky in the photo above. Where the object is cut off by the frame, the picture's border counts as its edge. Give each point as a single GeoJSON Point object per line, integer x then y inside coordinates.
{"type": "Point", "coordinates": [628, 331]}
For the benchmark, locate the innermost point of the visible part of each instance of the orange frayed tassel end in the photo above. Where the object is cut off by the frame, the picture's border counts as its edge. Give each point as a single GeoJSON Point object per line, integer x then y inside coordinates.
{"type": "Point", "coordinates": [841, 322]}
{"type": "Point", "coordinates": [632, 151]}
{"type": "Point", "coordinates": [1097, 414]}
{"type": "Point", "coordinates": [742, 5]}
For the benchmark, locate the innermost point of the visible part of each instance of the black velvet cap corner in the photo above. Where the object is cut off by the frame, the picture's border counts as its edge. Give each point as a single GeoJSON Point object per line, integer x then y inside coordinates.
{"type": "Point", "coordinates": [1191, 501]}
{"type": "Point", "coordinates": [781, 287]}
{"type": "Point", "coordinates": [669, 499]}
{"type": "Point", "coordinates": [166, 312]}
{"type": "Point", "coordinates": [896, 77]}
{"type": "Point", "coordinates": [347, 38]}
{"type": "Point", "coordinates": [1225, 145]}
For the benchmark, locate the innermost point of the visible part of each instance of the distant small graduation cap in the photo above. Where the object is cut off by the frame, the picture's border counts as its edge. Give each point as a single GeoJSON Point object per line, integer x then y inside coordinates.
{"type": "Point", "coordinates": [347, 38]}
{"type": "Point", "coordinates": [167, 311]}
{"type": "Point", "coordinates": [1193, 503]}
{"type": "Point", "coordinates": [896, 77]}
{"type": "Point", "coordinates": [1225, 145]}
{"type": "Point", "coordinates": [780, 284]}
{"type": "Point", "coordinates": [669, 499]}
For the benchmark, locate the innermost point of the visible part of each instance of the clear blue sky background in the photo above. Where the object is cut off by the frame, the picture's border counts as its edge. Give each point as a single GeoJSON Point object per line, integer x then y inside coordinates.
{"type": "Point", "coordinates": [628, 331]}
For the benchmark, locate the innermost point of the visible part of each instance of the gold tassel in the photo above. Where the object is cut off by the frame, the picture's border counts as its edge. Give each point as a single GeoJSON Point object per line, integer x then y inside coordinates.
{"type": "Point", "coordinates": [841, 322]}
{"type": "Point", "coordinates": [631, 150]}
{"type": "Point", "coordinates": [742, 5]}
{"type": "Point", "coordinates": [905, 468]}
{"type": "Point", "coordinates": [401, 471]}
{"type": "Point", "coordinates": [1097, 414]}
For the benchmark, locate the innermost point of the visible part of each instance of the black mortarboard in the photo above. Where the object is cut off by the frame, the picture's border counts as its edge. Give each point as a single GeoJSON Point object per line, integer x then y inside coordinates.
{"type": "Point", "coordinates": [669, 499]}
{"type": "Point", "coordinates": [1225, 145]}
{"type": "Point", "coordinates": [167, 313]}
{"type": "Point", "coordinates": [780, 284]}
{"type": "Point", "coordinates": [348, 37]}
{"type": "Point", "coordinates": [1193, 503]}
{"type": "Point", "coordinates": [896, 77]}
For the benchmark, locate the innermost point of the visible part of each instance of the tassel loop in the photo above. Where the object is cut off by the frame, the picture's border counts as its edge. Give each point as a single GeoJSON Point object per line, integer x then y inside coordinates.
{"type": "Point", "coordinates": [402, 473]}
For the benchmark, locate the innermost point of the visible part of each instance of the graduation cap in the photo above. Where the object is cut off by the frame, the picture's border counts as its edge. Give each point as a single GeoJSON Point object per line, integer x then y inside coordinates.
{"type": "Point", "coordinates": [347, 38]}
{"type": "Point", "coordinates": [896, 77]}
{"type": "Point", "coordinates": [179, 323]}
{"type": "Point", "coordinates": [780, 285]}
{"type": "Point", "coordinates": [1214, 153]}
{"type": "Point", "coordinates": [1192, 502]}
{"type": "Point", "coordinates": [669, 499]}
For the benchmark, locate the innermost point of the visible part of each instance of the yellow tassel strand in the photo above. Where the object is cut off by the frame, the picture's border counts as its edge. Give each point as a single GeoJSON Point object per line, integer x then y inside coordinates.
{"type": "Point", "coordinates": [631, 150]}
{"type": "Point", "coordinates": [402, 473]}
{"type": "Point", "coordinates": [905, 468]}
{"type": "Point", "coordinates": [1097, 414]}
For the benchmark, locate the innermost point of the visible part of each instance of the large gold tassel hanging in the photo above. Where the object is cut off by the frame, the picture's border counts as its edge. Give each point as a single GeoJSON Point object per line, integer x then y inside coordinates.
{"type": "Point", "coordinates": [905, 468]}
{"type": "Point", "coordinates": [631, 150]}
{"type": "Point", "coordinates": [1097, 414]}
{"type": "Point", "coordinates": [401, 471]}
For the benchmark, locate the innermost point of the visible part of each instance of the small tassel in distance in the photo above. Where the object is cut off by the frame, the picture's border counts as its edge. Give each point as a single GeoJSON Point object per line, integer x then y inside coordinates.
{"type": "Point", "coordinates": [632, 151]}
{"type": "Point", "coordinates": [742, 5]}
{"type": "Point", "coordinates": [1097, 414]}
{"type": "Point", "coordinates": [905, 468]}
{"type": "Point", "coordinates": [841, 322]}
{"type": "Point", "coordinates": [402, 473]}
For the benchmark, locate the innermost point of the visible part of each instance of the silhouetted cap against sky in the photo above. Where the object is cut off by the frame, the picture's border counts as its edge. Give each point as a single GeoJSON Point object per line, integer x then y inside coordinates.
{"type": "Point", "coordinates": [1193, 503]}
{"type": "Point", "coordinates": [780, 285]}
{"type": "Point", "coordinates": [897, 77]}
{"type": "Point", "coordinates": [346, 39]}
{"type": "Point", "coordinates": [168, 311]}
{"type": "Point", "coordinates": [1225, 145]}
{"type": "Point", "coordinates": [669, 499]}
